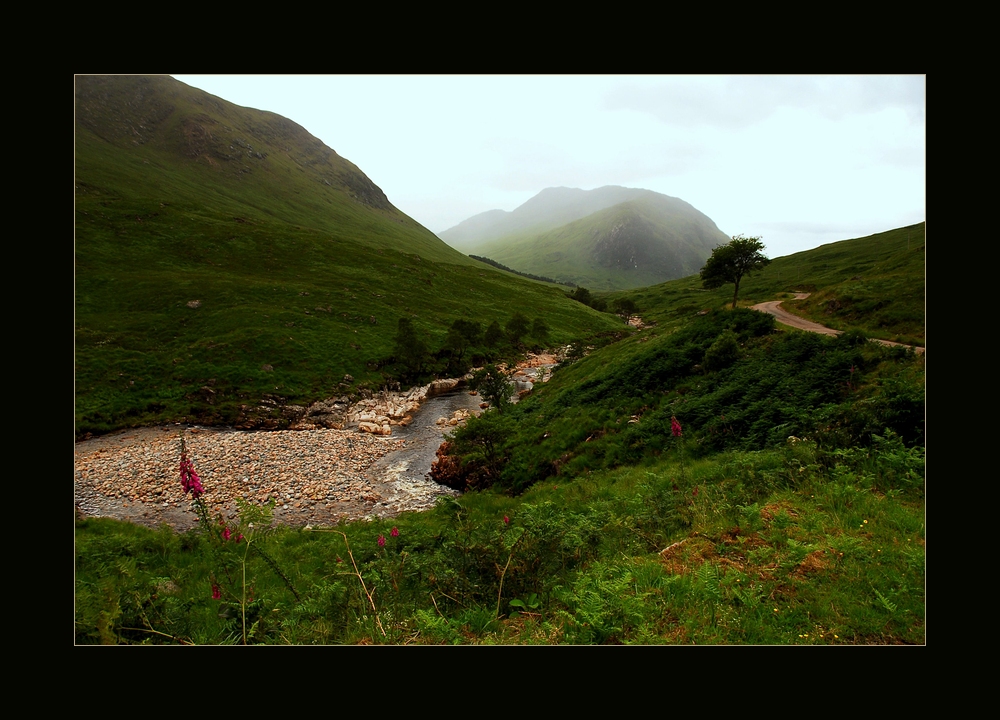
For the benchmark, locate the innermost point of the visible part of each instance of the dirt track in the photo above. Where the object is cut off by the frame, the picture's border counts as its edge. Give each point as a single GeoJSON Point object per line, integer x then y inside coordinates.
{"type": "Point", "coordinates": [786, 318]}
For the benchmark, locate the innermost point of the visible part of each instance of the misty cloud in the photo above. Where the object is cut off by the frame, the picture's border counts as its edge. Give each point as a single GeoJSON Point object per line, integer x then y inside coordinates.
{"type": "Point", "coordinates": [741, 101]}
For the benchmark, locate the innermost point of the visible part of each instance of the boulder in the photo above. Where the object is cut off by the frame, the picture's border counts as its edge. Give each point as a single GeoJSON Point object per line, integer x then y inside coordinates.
{"type": "Point", "coordinates": [440, 387]}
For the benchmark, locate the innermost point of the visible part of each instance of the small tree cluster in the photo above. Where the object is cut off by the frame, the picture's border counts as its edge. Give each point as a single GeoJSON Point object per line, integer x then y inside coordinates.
{"type": "Point", "coordinates": [583, 295]}
{"type": "Point", "coordinates": [465, 344]}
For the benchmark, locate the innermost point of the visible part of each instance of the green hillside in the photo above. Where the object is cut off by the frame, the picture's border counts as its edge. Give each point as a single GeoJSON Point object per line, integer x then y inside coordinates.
{"type": "Point", "coordinates": [605, 239]}
{"type": "Point", "coordinates": [228, 263]}
{"type": "Point", "coordinates": [876, 284]}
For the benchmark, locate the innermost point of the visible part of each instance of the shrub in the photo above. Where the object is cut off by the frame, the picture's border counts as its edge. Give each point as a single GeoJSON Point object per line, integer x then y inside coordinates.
{"type": "Point", "coordinates": [723, 352]}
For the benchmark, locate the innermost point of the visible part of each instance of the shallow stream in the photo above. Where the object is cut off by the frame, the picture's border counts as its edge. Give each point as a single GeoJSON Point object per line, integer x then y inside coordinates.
{"type": "Point", "coordinates": [403, 475]}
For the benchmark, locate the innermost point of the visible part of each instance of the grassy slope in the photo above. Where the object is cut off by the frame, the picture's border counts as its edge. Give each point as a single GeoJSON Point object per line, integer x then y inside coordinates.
{"type": "Point", "coordinates": [875, 284]}
{"type": "Point", "coordinates": [297, 262]}
{"type": "Point", "coordinates": [786, 547]}
{"type": "Point", "coordinates": [614, 407]}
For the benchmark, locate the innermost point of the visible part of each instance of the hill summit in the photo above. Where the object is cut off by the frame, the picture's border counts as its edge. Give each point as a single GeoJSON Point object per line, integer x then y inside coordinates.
{"type": "Point", "coordinates": [609, 238]}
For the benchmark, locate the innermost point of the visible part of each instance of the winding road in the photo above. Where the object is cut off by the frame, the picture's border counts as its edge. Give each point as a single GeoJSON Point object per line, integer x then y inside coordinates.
{"type": "Point", "coordinates": [773, 307]}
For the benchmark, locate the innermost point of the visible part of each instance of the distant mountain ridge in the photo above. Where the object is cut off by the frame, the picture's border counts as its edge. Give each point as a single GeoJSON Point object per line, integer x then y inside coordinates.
{"type": "Point", "coordinates": [610, 238]}
{"type": "Point", "coordinates": [548, 209]}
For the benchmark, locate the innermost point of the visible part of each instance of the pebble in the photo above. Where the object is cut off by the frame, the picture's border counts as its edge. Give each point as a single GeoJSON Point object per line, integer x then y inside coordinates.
{"type": "Point", "coordinates": [301, 470]}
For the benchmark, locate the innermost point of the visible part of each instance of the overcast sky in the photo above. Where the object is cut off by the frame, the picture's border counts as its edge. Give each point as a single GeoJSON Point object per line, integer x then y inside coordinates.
{"type": "Point", "coordinates": [799, 160]}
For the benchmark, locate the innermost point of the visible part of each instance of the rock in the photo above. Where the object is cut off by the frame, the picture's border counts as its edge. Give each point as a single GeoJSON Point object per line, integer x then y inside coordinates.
{"type": "Point", "coordinates": [440, 387]}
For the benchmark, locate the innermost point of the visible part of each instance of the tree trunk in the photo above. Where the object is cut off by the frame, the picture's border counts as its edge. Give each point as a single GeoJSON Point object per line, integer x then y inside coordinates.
{"type": "Point", "coordinates": [736, 293]}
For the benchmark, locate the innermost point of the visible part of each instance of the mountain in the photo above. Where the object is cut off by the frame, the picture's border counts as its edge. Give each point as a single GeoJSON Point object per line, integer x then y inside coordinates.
{"type": "Point", "coordinates": [144, 135]}
{"type": "Point", "coordinates": [228, 264]}
{"type": "Point", "coordinates": [611, 238]}
{"type": "Point", "coordinates": [549, 209]}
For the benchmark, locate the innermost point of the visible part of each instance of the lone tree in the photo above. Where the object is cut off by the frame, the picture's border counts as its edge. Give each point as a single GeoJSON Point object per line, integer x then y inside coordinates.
{"type": "Point", "coordinates": [730, 262]}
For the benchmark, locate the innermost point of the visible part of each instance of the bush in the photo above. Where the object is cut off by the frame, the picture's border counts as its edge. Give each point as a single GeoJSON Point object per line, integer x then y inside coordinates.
{"type": "Point", "coordinates": [723, 352]}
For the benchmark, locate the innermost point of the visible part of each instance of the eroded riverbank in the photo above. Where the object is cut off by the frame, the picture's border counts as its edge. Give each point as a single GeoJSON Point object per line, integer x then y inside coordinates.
{"type": "Point", "coordinates": [315, 475]}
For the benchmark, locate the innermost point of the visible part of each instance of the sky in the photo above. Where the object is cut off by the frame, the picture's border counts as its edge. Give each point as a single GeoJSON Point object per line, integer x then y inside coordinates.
{"type": "Point", "coordinates": [797, 160]}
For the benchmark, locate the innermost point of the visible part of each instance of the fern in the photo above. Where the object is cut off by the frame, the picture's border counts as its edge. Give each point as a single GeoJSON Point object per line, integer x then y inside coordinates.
{"type": "Point", "coordinates": [886, 603]}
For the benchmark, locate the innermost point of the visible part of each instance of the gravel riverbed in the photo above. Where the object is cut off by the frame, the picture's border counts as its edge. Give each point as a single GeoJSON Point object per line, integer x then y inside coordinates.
{"type": "Point", "coordinates": [316, 477]}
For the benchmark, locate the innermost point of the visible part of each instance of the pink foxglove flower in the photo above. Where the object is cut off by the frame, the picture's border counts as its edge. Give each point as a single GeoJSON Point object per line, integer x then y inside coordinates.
{"type": "Point", "coordinates": [506, 520]}
{"type": "Point", "coordinates": [395, 532]}
{"type": "Point", "coordinates": [216, 592]}
{"type": "Point", "coordinates": [189, 478]}
{"type": "Point", "coordinates": [381, 540]}
{"type": "Point", "coordinates": [226, 534]}
{"type": "Point", "coordinates": [675, 427]}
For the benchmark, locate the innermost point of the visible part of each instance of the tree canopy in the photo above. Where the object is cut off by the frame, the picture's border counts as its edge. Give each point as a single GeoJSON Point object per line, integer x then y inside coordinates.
{"type": "Point", "coordinates": [730, 262]}
{"type": "Point", "coordinates": [494, 386]}
{"type": "Point", "coordinates": [410, 349]}
{"type": "Point", "coordinates": [624, 308]}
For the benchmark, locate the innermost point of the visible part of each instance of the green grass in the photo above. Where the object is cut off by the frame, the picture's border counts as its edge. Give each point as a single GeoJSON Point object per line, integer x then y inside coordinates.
{"type": "Point", "coordinates": [786, 546]}
{"type": "Point", "coordinates": [614, 407]}
{"type": "Point", "coordinates": [875, 284]}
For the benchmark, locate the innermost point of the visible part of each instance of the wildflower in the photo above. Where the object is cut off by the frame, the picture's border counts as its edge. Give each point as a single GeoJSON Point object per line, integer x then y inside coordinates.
{"type": "Point", "coordinates": [395, 532]}
{"type": "Point", "coordinates": [216, 592]}
{"type": "Point", "coordinates": [695, 492]}
{"type": "Point", "coordinates": [506, 520]}
{"type": "Point", "coordinates": [226, 534]}
{"type": "Point", "coordinates": [189, 478]}
{"type": "Point", "coordinates": [239, 538]}
{"type": "Point", "coordinates": [381, 540]}
{"type": "Point", "coordinates": [675, 427]}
